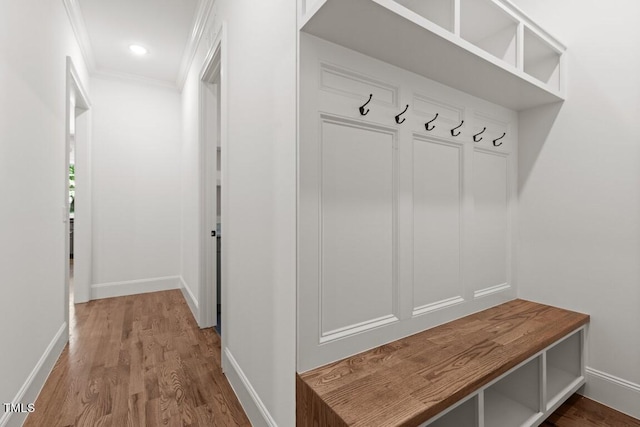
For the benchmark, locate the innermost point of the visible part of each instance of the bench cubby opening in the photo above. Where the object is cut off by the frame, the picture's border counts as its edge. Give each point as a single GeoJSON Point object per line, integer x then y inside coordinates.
{"type": "Point", "coordinates": [463, 415]}
{"type": "Point", "coordinates": [515, 399]}
{"type": "Point", "coordinates": [564, 367]}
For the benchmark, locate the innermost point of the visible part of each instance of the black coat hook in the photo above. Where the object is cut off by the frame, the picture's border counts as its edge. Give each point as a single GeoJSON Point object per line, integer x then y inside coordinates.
{"type": "Point", "coordinates": [475, 137]}
{"type": "Point", "coordinates": [452, 130]}
{"type": "Point", "coordinates": [426, 125]}
{"type": "Point", "coordinates": [362, 111]}
{"type": "Point", "coordinates": [398, 121]}
{"type": "Point", "coordinates": [498, 139]}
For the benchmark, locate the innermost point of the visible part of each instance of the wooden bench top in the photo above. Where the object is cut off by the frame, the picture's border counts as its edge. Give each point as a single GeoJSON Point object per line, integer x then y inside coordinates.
{"type": "Point", "coordinates": [408, 381]}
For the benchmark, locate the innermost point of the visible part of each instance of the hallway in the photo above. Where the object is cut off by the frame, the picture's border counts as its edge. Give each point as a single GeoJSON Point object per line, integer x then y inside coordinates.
{"type": "Point", "coordinates": [138, 360]}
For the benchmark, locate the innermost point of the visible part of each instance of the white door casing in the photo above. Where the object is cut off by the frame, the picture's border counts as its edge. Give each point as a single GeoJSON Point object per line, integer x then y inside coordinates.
{"type": "Point", "coordinates": [209, 127]}
{"type": "Point", "coordinates": [77, 104]}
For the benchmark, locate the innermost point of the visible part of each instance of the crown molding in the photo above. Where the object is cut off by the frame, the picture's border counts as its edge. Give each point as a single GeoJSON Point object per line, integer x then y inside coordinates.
{"type": "Point", "coordinates": [120, 76]}
{"type": "Point", "coordinates": [199, 24]}
{"type": "Point", "coordinates": [80, 30]}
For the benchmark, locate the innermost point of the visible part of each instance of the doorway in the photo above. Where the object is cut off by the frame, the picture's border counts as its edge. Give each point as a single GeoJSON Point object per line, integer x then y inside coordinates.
{"type": "Point", "coordinates": [212, 200]}
{"type": "Point", "coordinates": [76, 197]}
{"type": "Point", "coordinates": [214, 226]}
{"type": "Point", "coordinates": [72, 194]}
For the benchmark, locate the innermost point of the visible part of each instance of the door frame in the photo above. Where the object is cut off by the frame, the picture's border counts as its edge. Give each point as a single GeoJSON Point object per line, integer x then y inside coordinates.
{"type": "Point", "coordinates": [215, 64]}
{"type": "Point", "coordinates": [77, 103]}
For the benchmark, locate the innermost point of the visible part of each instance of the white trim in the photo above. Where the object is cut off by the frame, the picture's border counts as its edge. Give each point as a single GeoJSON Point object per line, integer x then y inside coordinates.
{"type": "Point", "coordinates": [76, 103]}
{"type": "Point", "coordinates": [72, 72]}
{"type": "Point", "coordinates": [207, 293]}
{"type": "Point", "coordinates": [428, 308]}
{"type": "Point", "coordinates": [80, 30]}
{"type": "Point", "coordinates": [225, 182]}
{"type": "Point", "coordinates": [132, 287]}
{"type": "Point", "coordinates": [455, 10]}
{"type": "Point", "coordinates": [199, 24]}
{"type": "Point", "coordinates": [613, 391]}
{"type": "Point", "coordinates": [36, 379]}
{"type": "Point", "coordinates": [491, 290]}
{"type": "Point", "coordinates": [359, 78]}
{"type": "Point", "coordinates": [127, 77]}
{"type": "Point", "coordinates": [192, 302]}
{"type": "Point", "coordinates": [213, 63]}
{"type": "Point", "coordinates": [251, 403]}
{"type": "Point", "coordinates": [616, 380]}
{"type": "Point", "coordinates": [357, 328]}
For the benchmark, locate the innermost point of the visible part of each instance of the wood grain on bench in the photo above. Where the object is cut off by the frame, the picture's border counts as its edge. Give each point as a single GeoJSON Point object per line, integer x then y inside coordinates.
{"type": "Point", "coordinates": [408, 381]}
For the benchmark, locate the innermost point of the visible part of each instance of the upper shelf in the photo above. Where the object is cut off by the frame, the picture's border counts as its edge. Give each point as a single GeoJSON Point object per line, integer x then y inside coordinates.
{"type": "Point", "coordinates": [487, 48]}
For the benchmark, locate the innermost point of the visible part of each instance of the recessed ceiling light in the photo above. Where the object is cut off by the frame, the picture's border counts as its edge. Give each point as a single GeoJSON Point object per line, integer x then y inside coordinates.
{"type": "Point", "coordinates": [138, 50]}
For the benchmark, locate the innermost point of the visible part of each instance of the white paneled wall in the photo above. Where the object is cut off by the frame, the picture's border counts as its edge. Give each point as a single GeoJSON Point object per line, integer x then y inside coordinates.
{"type": "Point", "coordinates": [400, 228]}
{"type": "Point", "coordinates": [437, 219]}
{"type": "Point", "coordinates": [491, 230]}
{"type": "Point", "coordinates": [353, 203]}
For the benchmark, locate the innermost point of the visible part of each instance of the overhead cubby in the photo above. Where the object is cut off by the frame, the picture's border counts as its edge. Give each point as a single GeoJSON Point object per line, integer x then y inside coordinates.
{"type": "Point", "coordinates": [440, 12]}
{"type": "Point", "coordinates": [477, 47]}
{"type": "Point", "coordinates": [564, 367]}
{"type": "Point", "coordinates": [488, 27]}
{"type": "Point", "coordinates": [509, 403]}
{"type": "Point", "coordinates": [541, 60]}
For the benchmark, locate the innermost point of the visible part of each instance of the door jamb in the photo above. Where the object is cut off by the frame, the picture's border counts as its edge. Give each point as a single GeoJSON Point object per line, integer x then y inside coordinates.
{"type": "Point", "coordinates": [215, 62]}
{"type": "Point", "coordinates": [77, 99]}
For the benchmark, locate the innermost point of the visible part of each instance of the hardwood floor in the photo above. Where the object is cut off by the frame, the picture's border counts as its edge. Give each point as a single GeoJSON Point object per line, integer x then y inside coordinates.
{"type": "Point", "coordinates": [139, 360]}
{"type": "Point", "coordinates": [579, 411]}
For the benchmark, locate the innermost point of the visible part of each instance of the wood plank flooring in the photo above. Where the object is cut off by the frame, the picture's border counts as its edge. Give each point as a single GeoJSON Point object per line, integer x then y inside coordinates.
{"type": "Point", "coordinates": [579, 411]}
{"type": "Point", "coordinates": [139, 360]}
{"type": "Point", "coordinates": [142, 361]}
{"type": "Point", "coordinates": [410, 380]}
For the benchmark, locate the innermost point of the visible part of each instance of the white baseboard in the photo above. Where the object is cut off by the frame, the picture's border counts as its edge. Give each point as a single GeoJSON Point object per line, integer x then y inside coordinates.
{"type": "Point", "coordinates": [36, 379]}
{"type": "Point", "coordinates": [614, 392]}
{"type": "Point", "coordinates": [249, 399]}
{"type": "Point", "coordinates": [192, 302]}
{"type": "Point", "coordinates": [132, 287]}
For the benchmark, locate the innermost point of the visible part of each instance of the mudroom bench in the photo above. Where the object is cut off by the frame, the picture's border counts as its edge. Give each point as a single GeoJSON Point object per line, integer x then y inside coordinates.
{"type": "Point", "coordinates": [511, 365]}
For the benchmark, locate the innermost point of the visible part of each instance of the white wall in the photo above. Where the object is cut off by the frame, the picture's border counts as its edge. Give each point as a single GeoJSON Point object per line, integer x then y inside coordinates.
{"type": "Point", "coordinates": [259, 261]}
{"type": "Point", "coordinates": [35, 38]}
{"type": "Point", "coordinates": [136, 187]}
{"type": "Point", "coordinates": [190, 184]}
{"type": "Point", "coordinates": [579, 189]}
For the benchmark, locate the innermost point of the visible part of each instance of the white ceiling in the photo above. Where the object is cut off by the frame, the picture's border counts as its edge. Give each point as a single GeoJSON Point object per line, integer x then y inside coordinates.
{"type": "Point", "coordinates": [162, 26]}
